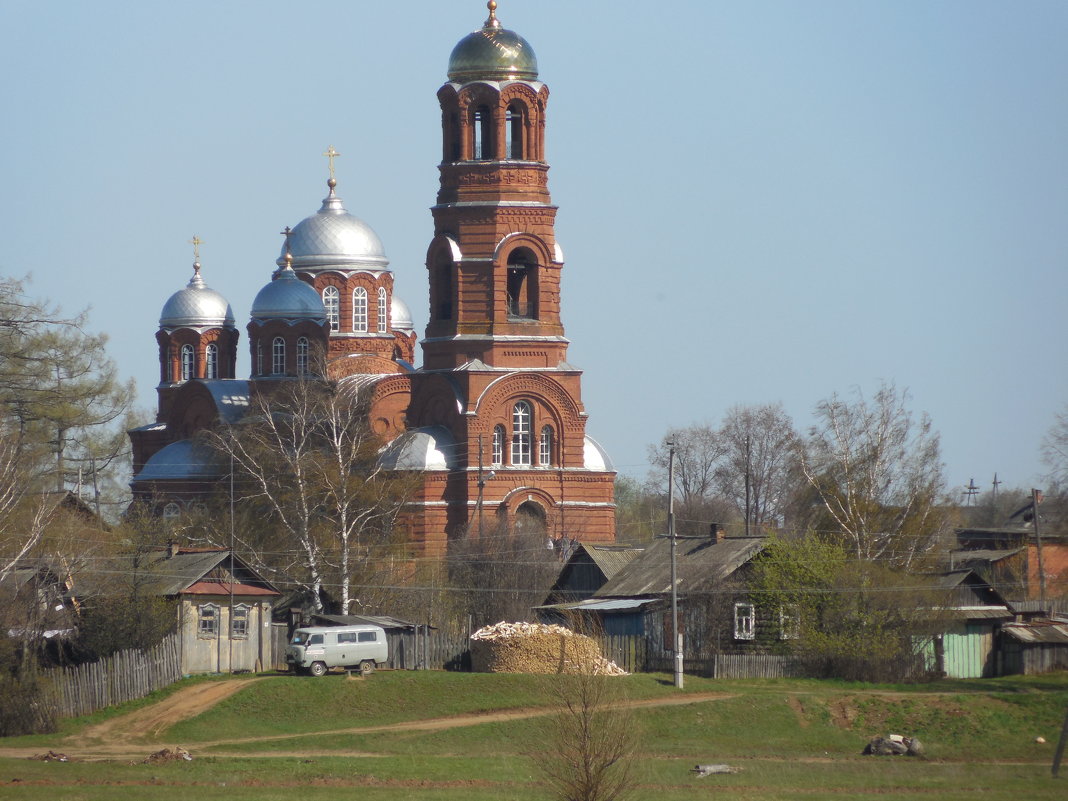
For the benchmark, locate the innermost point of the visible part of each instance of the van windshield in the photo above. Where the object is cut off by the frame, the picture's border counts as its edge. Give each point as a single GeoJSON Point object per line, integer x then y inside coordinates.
{"type": "Point", "coordinates": [300, 638]}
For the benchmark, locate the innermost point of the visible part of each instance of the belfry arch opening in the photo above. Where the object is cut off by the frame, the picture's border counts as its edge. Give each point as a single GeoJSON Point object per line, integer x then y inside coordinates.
{"type": "Point", "coordinates": [482, 128]}
{"type": "Point", "coordinates": [522, 285]}
{"type": "Point", "coordinates": [515, 131]}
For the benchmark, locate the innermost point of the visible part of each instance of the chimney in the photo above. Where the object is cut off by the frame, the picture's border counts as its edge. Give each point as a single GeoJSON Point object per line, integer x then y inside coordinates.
{"type": "Point", "coordinates": [172, 548]}
{"type": "Point", "coordinates": [716, 532]}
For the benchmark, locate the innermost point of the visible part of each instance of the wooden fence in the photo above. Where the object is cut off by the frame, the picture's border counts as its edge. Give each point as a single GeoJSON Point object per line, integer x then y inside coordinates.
{"type": "Point", "coordinates": [124, 676]}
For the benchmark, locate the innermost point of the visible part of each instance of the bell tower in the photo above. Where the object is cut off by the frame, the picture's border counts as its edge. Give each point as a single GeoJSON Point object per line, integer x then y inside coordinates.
{"type": "Point", "coordinates": [494, 265]}
{"type": "Point", "coordinates": [496, 393]}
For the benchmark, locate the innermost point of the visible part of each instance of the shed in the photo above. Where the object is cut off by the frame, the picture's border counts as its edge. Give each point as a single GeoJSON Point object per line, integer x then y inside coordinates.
{"type": "Point", "coordinates": [587, 569]}
{"type": "Point", "coordinates": [1036, 647]}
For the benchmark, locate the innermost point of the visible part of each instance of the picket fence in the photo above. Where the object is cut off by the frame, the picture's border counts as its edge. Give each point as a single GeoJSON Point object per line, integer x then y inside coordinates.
{"type": "Point", "coordinates": [124, 676]}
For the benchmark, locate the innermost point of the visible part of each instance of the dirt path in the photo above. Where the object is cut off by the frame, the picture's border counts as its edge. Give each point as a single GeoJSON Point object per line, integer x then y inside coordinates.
{"type": "Point", "coordinates": [125, 737]}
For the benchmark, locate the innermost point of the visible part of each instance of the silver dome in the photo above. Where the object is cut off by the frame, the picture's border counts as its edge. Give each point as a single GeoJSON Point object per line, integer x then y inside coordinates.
{"type": "Point", "coordinates": [196, 306]}
{"type": "Point", "coordinates": [595, 457]}
{"type": "Point", "coordinates": [430, 448]}
{"type": "Point", "coordinates": [179, 460]}
{"type": "Point", "coordinates": [400, 316]}
{"type": "Point", "coordinates": [288, 298]}
{"type": "Point", "coordinates": [332, 237]}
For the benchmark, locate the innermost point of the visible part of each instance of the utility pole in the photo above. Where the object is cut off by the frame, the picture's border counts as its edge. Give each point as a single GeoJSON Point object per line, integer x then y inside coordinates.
{"type": "Point", "coordinates": [675, 634]}
{"type": "Point", "coordinates": [1036, 499]}
{"type": "Point", "coordinates": [747, 484]}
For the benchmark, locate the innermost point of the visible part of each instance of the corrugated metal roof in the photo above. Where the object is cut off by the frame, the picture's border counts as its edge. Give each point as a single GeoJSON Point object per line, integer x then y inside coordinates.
{"type": "Point", "coordinates": [611, 559]}
{"type": "Point", "coordinates": [603, 605]}
{"type": "Point", "coordinates": [1033, 633]}
{"type": "Point", "coordinates": [385, 621]}
{"type": "Point", "coordinates": [702, 564]}
{"type": "Point", "coordinates": [223, 588]}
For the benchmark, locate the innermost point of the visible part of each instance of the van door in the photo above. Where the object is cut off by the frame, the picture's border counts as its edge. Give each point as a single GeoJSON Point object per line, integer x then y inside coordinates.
{"type": "Point", "coordinates": [346, 648]}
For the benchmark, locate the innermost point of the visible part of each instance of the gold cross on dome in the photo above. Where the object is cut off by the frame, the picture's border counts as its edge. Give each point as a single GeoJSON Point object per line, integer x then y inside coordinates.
{"type": "Point", "coordinates": [196, 242]}
{"type": "Point", "coordinates": [331, 154]}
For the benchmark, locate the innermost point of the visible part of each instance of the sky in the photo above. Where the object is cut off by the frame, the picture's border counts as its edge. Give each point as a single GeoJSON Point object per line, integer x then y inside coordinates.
{"type": "Point", "coordinates": [760, 202]}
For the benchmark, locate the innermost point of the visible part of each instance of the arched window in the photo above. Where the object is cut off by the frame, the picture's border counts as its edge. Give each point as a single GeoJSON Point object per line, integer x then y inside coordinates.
{"type": "Point", "coordinates": [442, 291]}
{"type": "Point", "coordinates": [359, 310]}
{"type": "Point", "coordinates": [171, 511]}
{"type": "Point", "coordinates": [302, 356]}
{"type": "Point", "coordinates": [482, 126]}
{"type": "Point", "coordinates": [332, 301]}
{"type": "Point", "coordinates": [187, 362]}
{"type": "Point", "coordinates": [522, 284]}
{"type": "Point", "coordinates": [498, 446]}
{"type": "Point", "coordinates": [211, 361]}
{"type": "Point", "coordinates": [259, 357]}
{"type": "Point", "coordinates": [278, 356]}
{"type": "Point", "coordinates": [383, 311]}
{"type": "Point", "coordinates": [545, 446]}
{"type": "Point", "coordinates": [521, 422]}
{"type": "Point", "coordinates": [514, 130]}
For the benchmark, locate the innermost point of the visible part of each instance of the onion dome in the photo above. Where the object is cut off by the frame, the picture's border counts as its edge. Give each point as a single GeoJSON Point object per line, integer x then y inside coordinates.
{"type": "Point", "coordinates": [493, 53]}
{"type": "Point", "coordinates": [183, 459]}
{"type": "Point", "coordinates": [196, 306]}
{"type": "Point", "coordinates": [400, 315]}
{"type": "Point", "coordinates": [288, 298]}
{"type": "Point", "coordinates": [332, 237]}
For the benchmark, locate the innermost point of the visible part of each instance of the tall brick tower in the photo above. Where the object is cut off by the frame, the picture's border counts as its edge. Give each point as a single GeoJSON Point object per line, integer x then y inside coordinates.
{"type": "Point", "coordinates": [496, 392]}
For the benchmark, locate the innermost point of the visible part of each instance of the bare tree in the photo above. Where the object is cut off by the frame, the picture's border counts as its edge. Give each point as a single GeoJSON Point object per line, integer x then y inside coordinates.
{"type": "Point", "coordinates": [877, 475]}
{"type": "Point", "coordinates": [698, 452]}
{"type": "Point", "coordinates": [759, 448]}
{"type": "Point", "coordinates": [306, 462]}
{"type": "Point", "coordinates": [1055, 449]}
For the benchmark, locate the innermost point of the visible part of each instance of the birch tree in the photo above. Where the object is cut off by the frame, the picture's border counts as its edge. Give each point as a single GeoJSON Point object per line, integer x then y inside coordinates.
{"type": "Point", "coordinates": [877, 475]}
{"type": "Point", "coordinates": [316, 502]}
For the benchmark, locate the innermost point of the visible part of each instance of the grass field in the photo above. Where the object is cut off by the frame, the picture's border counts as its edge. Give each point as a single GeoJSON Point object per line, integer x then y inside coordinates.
{"type": "Point", "coordinates": [450, 736]}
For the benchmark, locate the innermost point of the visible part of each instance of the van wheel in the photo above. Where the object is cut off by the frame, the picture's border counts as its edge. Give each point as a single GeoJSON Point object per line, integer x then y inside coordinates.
{"type": "Point", "coordinates": [367, 667]}
{"type": "Point", "coordinates": [317, 669]}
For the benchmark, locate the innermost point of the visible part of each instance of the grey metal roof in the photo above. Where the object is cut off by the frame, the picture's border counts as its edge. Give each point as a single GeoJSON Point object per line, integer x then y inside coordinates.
{"type": "Point", "coordinates": [603, 605]}
{"type": "Point", "coordinates": [288, 298]}
{"type": "Point", "coordinates": [1048, 633]}
{"type": "Point", "coordinates": [429, 448]}
{"type": "Point", "coordinates": [196, 306]}
{"type": "Point", "coordinates": [611, 558]}
{"type": "Point", "coordinates": [385, 621]}
{"type": "Point", "coordinates": [183, 460]}
{"type": "Point", "coordinates": [231, 396]}
{"type": "Point", "coordinates": [702, 565]}
{"type": "Point", "coordinates": [972, 557]}
{"type": "Point", "coordinates": [161, 574]}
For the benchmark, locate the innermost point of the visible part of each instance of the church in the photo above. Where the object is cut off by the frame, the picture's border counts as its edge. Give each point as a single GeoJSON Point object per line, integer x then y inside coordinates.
{"type": "Point", "coordinates": [492, 421]}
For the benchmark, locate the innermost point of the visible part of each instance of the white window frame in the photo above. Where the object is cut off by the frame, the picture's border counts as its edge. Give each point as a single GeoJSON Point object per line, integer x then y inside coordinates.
{"type": "Point", "coordinates": [497, 452]}
{"type": "Point", "coordinates": [383, 311]}
{"type": "Point", "coordinates": [188, 363]}
{"type": "Point", "coordinates": [208, 621]}
{"type": "Point", "coordinates": [332, 302]}
{"type": "Point", "coordinates": [242, 613]}
{"type": "Point", "coordinates": [545, 446]}
{"type": "Point", "coordinates": [278, 356]}
{"type": "Point", "coordinates": [744, 621]}
{"type": "Point", "coordinates": [522, 423]}
{"type": "Point", "coordinates": [302, 356]}
{"type": "Point", "coordinates": [359, 310]}
{"type": "Point", "coordinates": [172, 511]}
{"type": "Point", "coordinates": [789, 622]}
{"type": "Point", "coordinates": [211, 361]}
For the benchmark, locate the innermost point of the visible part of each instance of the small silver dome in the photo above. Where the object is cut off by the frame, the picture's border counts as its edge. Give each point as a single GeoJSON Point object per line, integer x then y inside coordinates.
{"type": "Point", "coordinates": [179, 460]}
{"type": "Point", "coordinates": [332, 237]}
{"type": "Point", "coordinates": [493, 53]}
{"type": "Point", "coordinates": [288, 298]}
{"type": "Point", "coordinates": [400, 316]}
{"type": "Point", "coordinates": [430, 448]}
{"type": "Point", "coordinates": [595, 457]}
{"type": "Point", "coordinates": [196, 306]}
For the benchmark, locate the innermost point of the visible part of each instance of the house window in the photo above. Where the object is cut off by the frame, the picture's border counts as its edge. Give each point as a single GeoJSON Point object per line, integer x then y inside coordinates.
{"type": "Point", "coordinates": [187, 362]}
{"type": "Point", "coordinates": [208, 620]}
{"type": "Point", "coordinates": [744, 622]}
{"type": "Point", "coordinates": [383, 311]}
{"type": "Point", "coordinates": [359, 310]}
{"type": "Point", "coordinates": [239, 622]}
{"type": "Point", "coordinates": [545, 447]}
{"type": "Point", "coordinates": [211, 361]}
{"type": "Point", "coordinates": [332, 302]}
{"type": "Point", "coordinates": [521, 421]}
{"type": "Point", "coordinates": [171, 511]}
{"type": "Point", "coordinates": [302, 356]}
{"type": "Point", "coordinates": [497, 456]}
{"type": "Point", "coordinates": [278, 356]}
{"type": "Point", "coordinates": [789, 622]}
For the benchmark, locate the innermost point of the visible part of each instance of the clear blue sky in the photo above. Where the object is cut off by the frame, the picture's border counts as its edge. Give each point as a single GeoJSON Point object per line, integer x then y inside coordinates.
{"type": "Point", "coordinates": [759, 202]}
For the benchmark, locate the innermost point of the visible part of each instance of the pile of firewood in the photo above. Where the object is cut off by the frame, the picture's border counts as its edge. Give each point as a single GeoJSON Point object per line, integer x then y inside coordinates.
{"type": "Point", "coordinates": [537, 648]}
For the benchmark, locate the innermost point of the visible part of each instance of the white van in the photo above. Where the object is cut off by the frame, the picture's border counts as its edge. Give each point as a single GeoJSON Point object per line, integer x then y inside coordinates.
{"type": "Point", "coordinates": [316, 649]}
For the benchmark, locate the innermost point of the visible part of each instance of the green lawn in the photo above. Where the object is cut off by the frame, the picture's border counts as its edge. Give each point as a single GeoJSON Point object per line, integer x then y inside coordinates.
{"type": "Point", "coordinates": [789, 739]}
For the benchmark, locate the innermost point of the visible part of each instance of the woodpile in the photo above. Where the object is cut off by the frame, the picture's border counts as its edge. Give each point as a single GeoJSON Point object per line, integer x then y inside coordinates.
{"type": "Point", "coordinates": [537, 648]}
